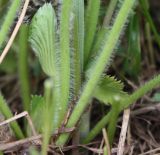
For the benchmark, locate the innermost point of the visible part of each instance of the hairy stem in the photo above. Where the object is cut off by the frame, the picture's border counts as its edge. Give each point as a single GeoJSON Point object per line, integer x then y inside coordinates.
{"type": "Point", "coordinates": [65, 55]}
{"type": "Point", "coordinates": [140, 92]}
{"type": "Point", "coordinates": [103, 59]}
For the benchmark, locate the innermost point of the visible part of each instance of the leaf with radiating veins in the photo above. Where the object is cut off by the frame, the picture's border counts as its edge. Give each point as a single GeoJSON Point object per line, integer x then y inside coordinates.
{"type": "Point", "coordinates": [43, 38]}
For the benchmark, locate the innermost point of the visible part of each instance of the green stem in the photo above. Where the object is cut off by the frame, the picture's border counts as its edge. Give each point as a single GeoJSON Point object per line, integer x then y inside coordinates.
{"type": "Point", "coordinates": [77, 64]}
{"type": "Point", "coordinates": [48, 115]}
{"type": "Point", "coordinates": [65, 55]}
{"type": "Point", "coordinates": [112, 122]}
{"type": "Point", "coordinates": [8, 21]}
{"type": "Point", "coordinates": [140, 92]}
{"type": "Point", "coordinates": [103, 59]}
{"type": "Point", "coordinates": [23, 66]}
{"type": "Point", "coordinates": [78, 45]}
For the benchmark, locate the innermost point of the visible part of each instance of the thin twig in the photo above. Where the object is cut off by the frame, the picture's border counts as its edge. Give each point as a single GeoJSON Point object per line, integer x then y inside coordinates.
{"type": "Point", "coordinates": [143, 110]}
{"type": "Point", "coordinates": [23, 114]}
{"type": "Point", "coordinates": [101, 145]}
{"type": "Point", "coordinates": [15, 31]}
{"type": "Point", "coordinates": [32, 140]}
{"type": "Point", "coordinates": [151, 151]}
{"type": "Point", "coordinates": [122, 138]}
{"type": "Point", "coordinates": [106, 141]}
{"type": "Point", "coordinates": [31, 124]}
{"type": "Point", "coordinates": [146, 109]}
{"type": "Point", "coordinates": [14, 118]}
{"type": "Point", "coordinates": [8, 146]}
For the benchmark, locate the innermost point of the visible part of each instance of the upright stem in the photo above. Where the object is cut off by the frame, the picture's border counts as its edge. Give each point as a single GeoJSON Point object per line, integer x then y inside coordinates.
{"type": "Point", "coordinates": [48, 115]}
{"type": "Point", "coordinates": [65, 55]}
{"type": "Point", "coordinates": [112, 122]}
{"type": "Point", "coordinates": [23, 66]}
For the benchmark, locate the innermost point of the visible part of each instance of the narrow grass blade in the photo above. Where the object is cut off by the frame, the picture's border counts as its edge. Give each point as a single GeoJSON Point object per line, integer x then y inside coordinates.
{"type": "Point", "coordinates": [91, 20]}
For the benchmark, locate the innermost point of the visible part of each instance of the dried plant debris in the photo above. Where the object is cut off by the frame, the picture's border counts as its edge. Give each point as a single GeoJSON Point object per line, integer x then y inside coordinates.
{"type": "Point", "coordinates": [6, 134]}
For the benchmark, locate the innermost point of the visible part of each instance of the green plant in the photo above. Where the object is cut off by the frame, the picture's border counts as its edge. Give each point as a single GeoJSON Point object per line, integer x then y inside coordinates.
{"type": "Point", "coordinates": [93, 72]}
{"type": "Point", "coordinates": [74, 56]}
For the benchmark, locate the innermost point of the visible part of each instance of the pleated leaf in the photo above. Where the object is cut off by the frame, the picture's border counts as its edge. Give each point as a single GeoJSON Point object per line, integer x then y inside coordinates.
{"type": "Point", "coordinates": [43, 38]}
